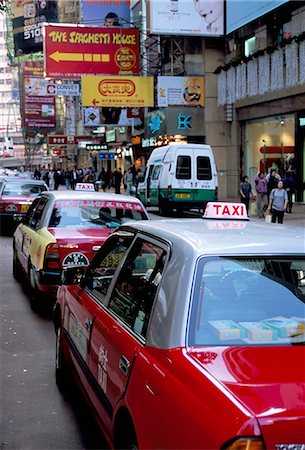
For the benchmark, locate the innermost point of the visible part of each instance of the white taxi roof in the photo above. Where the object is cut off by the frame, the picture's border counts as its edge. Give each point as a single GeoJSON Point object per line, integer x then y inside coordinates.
{"type": "Point", "coordinates": [89, 195]}
{"type": "Point", "coordinates": [197, 237]}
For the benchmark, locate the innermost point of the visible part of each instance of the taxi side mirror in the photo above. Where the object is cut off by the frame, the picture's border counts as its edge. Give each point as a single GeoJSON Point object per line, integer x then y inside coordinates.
{"type": "Point", "coordinates": [73, 275]}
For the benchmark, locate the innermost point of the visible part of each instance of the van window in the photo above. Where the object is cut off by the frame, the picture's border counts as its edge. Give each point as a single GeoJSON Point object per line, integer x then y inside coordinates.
{"type": "Point", "coordinates": [204, 171]}
{"type": "Point", "coordinates": [156, 172]}
{"type": "Point", "coordinates": [183, 169]}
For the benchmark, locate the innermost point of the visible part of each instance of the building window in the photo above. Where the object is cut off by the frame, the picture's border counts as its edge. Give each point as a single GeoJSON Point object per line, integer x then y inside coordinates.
{"type": "Point", "coordinates": [249, 46]}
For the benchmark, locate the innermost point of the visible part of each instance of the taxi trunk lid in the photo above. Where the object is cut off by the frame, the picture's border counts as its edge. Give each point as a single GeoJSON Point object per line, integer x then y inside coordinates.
{"type": "Point", "coordinates": [269, 381]}
{"type": "Point", "coordinates": [78, 246]}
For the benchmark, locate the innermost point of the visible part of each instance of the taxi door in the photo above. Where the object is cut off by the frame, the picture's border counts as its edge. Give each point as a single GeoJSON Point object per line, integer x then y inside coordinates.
{"type": "Point", "coordinates": [120, 328]}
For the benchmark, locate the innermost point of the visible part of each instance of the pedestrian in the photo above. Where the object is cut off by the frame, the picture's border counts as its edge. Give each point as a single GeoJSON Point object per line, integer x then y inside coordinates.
{"type": "Point", "coordinates": [51, 180]}
{"type": "Point", "coordinates": [128, 181]}
{"type": "Point", "coordinates": [272, 180]}
{"type": "Point", "coordinates": [37, 174]}
{"type": "Point", "coordinates": [74, 176]}
{"type": "Point", "coordinates": [90, 178]}
{"type": "Point", "coordinates": [278, 201]}
{"type": "Point", "coordinates": [261, 187]}
{"type": "Point", "coordinates": [117, 177]}
{"type": "Point", "coordinates": [57, 179]}
{"type": "Point", "coordinates": [245, 191]}
{"type": "Point", "coordinates": [289, 185]}
{"type": "Point", "coordinates": [67, 177]}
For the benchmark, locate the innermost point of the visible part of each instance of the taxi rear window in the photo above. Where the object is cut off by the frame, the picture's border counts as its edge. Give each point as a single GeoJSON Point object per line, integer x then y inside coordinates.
{"type": "Point", "coordinates": [23, 189]}
{"type": "Point", "coordinates": [94, 214]}
{"type": "Point", "coordinates": [248, 301]}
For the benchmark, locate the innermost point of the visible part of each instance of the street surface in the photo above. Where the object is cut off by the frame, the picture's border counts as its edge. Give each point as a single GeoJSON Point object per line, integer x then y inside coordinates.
{"type": "Point", "coordinates": [34, 414]}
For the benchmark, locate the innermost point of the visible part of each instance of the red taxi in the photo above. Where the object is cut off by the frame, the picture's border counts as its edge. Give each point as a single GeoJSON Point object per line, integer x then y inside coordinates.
{"type": "Point", "coordinates": [189, 334]}
{"type": "Point", "coordinates": [66, 228]}
{"type": "Point", "coordinates": [16, 195]}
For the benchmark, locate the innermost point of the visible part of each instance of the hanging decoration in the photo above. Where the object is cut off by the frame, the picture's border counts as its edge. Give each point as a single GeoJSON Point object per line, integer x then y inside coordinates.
{"type": "Point", "coordinates": [222, 88]}
{"type": "Point", "coordinates": [302, 62]}
{"type": "Point", "coordinates": [231, 91]}
{"type": "Point", "coordinates": [252, 78]}
{"type": "Point", "coordinates": [292, 72]}
{"type": "Point", "coordinates": [277, 70]}
{"type": "Point", "coordinates": [263, 74]}
{"type": "Point", "coordinates": [241, 81]}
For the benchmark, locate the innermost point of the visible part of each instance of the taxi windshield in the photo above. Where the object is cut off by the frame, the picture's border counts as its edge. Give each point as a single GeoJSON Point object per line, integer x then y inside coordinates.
{"type": "Point", "coordinates": [92, 214]}
{"type": "Point", "coordinates": [248, 301]}
{"type": "Point", "coordinates": [23, 189]}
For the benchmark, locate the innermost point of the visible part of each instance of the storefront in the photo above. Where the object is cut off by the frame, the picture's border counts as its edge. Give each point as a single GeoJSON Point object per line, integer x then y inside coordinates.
{"type": "Point", "coordinates": [276, 142]}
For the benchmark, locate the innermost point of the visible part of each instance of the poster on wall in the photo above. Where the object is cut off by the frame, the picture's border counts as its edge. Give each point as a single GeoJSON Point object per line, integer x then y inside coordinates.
{"type": "Point", "coordinates": [106, 14]}
{"type": "Point", "coordinates": [28, 19]}
{"type": "Point", "coordinates": [180, 91]}
{"type": "Point", "coordinates": [39, 110]}
{"type": "Point", "coordinates": [71, 51]}
{"type": "Point", "coordinates": [186, 17]}
{"type": "Point", "coordinates": [93, 117]}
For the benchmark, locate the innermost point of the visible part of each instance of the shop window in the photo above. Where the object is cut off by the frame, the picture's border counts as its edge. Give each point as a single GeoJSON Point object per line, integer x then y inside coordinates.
{"type": "Point", "coordinates": [249, 46]}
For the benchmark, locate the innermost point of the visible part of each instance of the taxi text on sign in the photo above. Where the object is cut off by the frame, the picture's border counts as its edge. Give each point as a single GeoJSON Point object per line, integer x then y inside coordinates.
{"type": "Point", "coordinates": [73, 51]}
{"type": "Point", "coordinates": [224, 210]}
{"type": "Point", "coordinates": [118, 91]}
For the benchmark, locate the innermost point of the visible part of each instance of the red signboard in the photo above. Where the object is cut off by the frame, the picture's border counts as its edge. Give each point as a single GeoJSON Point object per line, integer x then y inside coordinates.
{"type": "Point", "coordinates": [39, 110]}
{"type": "Point", "coordinates": [73, 51]}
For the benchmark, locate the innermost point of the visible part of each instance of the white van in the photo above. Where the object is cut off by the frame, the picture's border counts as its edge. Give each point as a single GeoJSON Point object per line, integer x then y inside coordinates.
{"type": "Point", "coordinates": [179, 176]}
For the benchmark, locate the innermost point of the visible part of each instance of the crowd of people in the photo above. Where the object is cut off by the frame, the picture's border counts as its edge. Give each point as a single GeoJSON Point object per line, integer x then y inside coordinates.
{"type": "Point", "coordinates": [106, 179]}
{"type": "Point", "coordinates": [274, 195]}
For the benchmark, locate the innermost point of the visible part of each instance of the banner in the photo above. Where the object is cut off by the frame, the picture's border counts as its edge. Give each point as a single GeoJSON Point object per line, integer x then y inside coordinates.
{"type": "Point", "coordinates": [185, 121]}
{"type": "Point", "coordinates": [73, 51]}
{"type": "Point", "coordinates": [187, 17]}
{"type": "Point", "coordinates": [39, 110]}
{"type": "Point", "coordinates": [180, 91]}
{"type": "Point", "coordinates": [117, 91]}
{"type": "Point", "coordinates": [105, 13]}
{"type": "Point", "coordinates": [94, 117]}
{"type": "Point", "coordinates": [28, 19]}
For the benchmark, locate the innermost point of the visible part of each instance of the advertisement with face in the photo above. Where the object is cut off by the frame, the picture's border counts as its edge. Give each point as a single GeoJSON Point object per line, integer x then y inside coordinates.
{"type": "Point", "coordinates": [93, 117]}
{"type": "Point", "coordinates": [106, 14]}
{"type": "Point", "coordinates": [176, 91]}
{"type": "Point", "coordinates": [187, 17]}
{"type": "Point", "coordinates": [28, 17]}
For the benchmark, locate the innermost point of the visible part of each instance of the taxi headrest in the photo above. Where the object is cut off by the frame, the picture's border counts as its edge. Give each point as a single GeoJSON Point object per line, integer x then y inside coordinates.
{"type": "Point", "coordinates": [226, 211]}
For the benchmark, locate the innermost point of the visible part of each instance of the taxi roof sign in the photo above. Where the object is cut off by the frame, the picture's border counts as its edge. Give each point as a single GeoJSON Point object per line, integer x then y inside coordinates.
{"type": "Point", "coordinates": [84, 187]}
{"type": "Point", "coordinates": [226, 211]}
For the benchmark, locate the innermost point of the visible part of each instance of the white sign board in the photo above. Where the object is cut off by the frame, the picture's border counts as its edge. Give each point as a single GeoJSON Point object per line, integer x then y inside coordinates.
{"type": "Point", "coordinates": [180, 91]}
{"type": "Point", "coordinates": [84, 187]}
{"type": "Point", "coordinates": [187, 17]}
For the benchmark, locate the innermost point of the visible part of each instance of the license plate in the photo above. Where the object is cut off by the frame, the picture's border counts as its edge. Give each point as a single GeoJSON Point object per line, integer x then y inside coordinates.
{"type": "Point", "coordinates": [24, 208]}
{"type": "Point", "coordinates": [183, 195]}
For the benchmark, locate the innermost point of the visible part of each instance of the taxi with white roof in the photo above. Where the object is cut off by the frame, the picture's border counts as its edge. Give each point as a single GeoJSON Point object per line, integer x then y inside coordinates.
{"type": "Point", "coordinates": [190, 333]}
{"type": "Point", "coordinates": [66, 228]}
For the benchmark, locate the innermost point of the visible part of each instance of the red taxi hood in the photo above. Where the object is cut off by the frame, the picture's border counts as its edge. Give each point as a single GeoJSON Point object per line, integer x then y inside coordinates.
{"type": "Point", "coordinates": [269, 381]}
{"type": "Point", "coordinates": [79, 240]}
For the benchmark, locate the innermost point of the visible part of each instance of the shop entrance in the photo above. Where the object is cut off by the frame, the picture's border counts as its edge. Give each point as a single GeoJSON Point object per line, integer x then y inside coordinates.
{"type": "Point", "coordinates": [300, 156]}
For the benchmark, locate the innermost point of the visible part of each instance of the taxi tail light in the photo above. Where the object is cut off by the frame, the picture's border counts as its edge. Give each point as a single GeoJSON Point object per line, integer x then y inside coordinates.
{"type": "Point", "coordinates": [244, 443]}
{"type": "Point", "coordinates": [51, 259]}
{"type": "Point", "coordinates": [169, 190]}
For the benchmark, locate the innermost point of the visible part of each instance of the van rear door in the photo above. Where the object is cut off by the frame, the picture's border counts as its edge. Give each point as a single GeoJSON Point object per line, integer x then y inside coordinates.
{"type": "Point", "coordinates": [183, 179]}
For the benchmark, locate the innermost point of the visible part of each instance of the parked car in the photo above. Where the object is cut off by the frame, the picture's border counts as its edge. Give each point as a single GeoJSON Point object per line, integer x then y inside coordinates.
{"type": "Point", "coordinates": [189, 334]}
{"type": "Point", "coordinates": [16, 195]}
{"type": "Point", "coordinates": [66, 228]}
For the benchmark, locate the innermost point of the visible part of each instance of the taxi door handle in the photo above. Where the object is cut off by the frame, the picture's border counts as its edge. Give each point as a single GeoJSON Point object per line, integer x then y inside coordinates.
{"type": "Point", "coordinates": [88, 324]}
{"type": "Point", "coordinates": [124, 365]}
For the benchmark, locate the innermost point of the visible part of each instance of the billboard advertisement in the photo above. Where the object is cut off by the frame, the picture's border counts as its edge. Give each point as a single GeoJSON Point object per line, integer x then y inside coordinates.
{"type": "Point", "coordinates": [106, 14]}
{"type": "Point", "coordinates": [28, 17]}
{"type": "Point", "coordinates": [239, 12]}
{"type": "Point", "coordinates": [94, 117]}
{"type": "Point", "coordinates": [186, 17]}
{"type": "Point", "coordinates": [180, 91]}
{"type": "Point", "coordinates": [39, 109]}
{"type": "Point", "coordinates": [185, 121]}
{"type": "Point", "coordinates": [73, 51]}
{"type": "Point", "coordinates": [117, 91]}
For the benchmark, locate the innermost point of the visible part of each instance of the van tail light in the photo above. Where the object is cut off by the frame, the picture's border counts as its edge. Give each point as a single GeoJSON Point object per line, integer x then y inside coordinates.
{"type": "Point", "coordinates": [169, 190]}
{"type": "Point", "coordinates": [244, 443]}
{"type": "Point", "coordinates": [51, 258]}
{"type": "Point", "coordinates": [216, 193]}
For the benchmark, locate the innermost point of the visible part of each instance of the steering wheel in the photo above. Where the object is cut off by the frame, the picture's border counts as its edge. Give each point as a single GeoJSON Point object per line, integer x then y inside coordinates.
{"type": "Point", "coordinates": [239, 275]}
